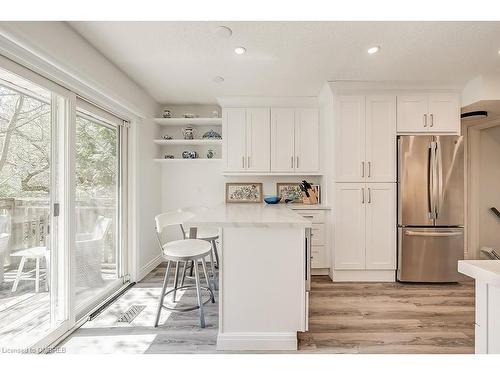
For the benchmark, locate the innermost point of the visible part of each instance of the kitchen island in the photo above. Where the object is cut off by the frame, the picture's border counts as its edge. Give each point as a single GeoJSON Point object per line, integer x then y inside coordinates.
{"type": "Point", "coordinates": [487, 327]}
{"type": "Point", "coordinates": [264, 274]}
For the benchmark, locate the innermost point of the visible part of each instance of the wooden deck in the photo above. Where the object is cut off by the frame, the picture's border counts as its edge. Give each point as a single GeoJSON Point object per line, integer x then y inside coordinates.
{"type": "Point", "coordinates": [344, 318]}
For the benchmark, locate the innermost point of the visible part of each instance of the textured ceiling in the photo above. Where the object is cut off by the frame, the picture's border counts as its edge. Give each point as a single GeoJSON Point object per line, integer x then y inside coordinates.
{"type": "Point", "coordinates": [177, 61]}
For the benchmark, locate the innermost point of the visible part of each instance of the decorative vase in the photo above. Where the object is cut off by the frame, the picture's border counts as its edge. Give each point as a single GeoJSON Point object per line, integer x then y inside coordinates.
{"type": "Point", "coordinates": [167, 113]}
{"type": "Point", "coordinates": [211, 134]}
{"type": "Point", "coordinates": [188, 132]}
{"type": "Point", "coordinates": [210, 154]}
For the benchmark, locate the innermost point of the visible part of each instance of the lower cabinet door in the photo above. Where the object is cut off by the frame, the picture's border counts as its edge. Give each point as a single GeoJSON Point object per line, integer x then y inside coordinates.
{"type": "Point", "coordinates": [350, 203]}
{"type": "Point", "coordinates": [319, 257]}
{"type": "Point", "coordinates": [381, 226]}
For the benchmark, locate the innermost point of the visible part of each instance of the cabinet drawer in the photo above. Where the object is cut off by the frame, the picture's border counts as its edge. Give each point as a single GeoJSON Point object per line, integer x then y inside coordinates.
{"type": "Point", "coordinates": [314, 216]}
{"type": "Point", "coordinates": [318, 234]}
{"type": "Point", "coordinates": [319, 257]}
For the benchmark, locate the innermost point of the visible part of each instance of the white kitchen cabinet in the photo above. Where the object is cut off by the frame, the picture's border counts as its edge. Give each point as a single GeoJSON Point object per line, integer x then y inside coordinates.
{"type": "Point", "coordinates": [365, 226]}
{"type": "Point", "coordinates": [306, 140]}
{"type": "Point", "coordinates": [444, 113]}
{"type": "Point", "coordinates": [428, 113]}
{"type": "Point", "coordinates": [294, 140]}
{"type": "Point", "coordinates": [234, 140]}
{"type": "Point", "coordinates": [320, 255]}
{"type": "Point", "coordinates": [380, 138]}
{"type": "Point", "coordinates": [365, 138]}
{"type": "Point", "coordinates": [380, 226]}
{"type": "Point", "coordinates": [246, 139]}
{"type": "Point", "coordinates": [350, 150]}
{"type": "Point", "coordinates": [258, 139]}
{"type": "Point", "coordinates": [349, 238]}
{"type": "Point", "coordinates": [282, 139]}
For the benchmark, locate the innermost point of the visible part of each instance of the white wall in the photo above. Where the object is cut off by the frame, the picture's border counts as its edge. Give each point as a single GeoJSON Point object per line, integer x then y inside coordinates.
{"type": "Point", "coordinates": [56, 51]}
{"type": "Point", "coordinates": [483, 87]}
{"type": "Point", "coordinates": [489, 224]}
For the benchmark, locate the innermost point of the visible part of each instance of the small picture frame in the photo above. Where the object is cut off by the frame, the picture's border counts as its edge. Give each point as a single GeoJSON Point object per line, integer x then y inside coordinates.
{"type": "Point", "coordinates": [289, 190]}
{"type": "Point", "coordinates": [292, 190]}
{"type": "Point", "coordinates": [244, 192]}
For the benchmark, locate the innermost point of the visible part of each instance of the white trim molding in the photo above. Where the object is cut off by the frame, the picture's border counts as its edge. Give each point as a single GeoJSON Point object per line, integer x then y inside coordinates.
{"type": "Point", "coordinates": [257, 341]}
{"type": "Point", "coordinates": [364, 276]}
{"type": "Point", "coordinates": [148, 267]}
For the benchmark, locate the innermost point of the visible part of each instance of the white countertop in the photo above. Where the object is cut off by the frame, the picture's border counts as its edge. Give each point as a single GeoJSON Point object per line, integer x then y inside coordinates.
{"type": "Point", "coordinates": [249, 215]}
{"type": "Point", "coordinates": [487, 271]}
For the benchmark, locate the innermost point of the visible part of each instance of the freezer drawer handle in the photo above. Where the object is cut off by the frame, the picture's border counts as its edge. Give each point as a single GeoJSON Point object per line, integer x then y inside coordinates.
{"type": "Point", "coordinates": [432, 234]}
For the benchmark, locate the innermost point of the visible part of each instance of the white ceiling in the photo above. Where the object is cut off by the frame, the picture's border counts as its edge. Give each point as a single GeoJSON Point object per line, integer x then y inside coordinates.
{"type": "Point", "coordinates": [176, 61]}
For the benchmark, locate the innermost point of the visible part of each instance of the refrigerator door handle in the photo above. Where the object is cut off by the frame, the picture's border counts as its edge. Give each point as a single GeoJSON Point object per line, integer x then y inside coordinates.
{"type": "Point", "coordinates": [432, 234]}
{"type": "Point", "coordinates": [432, 177]}
{"type": "Point", "coordinates": [439, 180]}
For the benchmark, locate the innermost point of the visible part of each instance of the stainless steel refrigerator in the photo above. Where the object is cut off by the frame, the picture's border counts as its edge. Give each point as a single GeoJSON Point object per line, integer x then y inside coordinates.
{"type": "Point", "coordinates": [430, 208]}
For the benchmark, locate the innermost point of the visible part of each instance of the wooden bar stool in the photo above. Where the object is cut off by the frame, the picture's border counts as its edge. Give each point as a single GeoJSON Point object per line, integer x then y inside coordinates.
{"type": "Point", "coordinates": [182, 251]}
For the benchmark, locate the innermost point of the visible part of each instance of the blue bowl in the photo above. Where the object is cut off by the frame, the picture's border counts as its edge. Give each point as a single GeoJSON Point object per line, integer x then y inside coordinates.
{"type": "Point", "coordinates": [272, 199]}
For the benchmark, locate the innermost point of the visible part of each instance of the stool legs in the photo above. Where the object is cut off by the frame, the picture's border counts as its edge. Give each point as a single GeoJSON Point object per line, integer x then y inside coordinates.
{"type": "Point", "coordinates": [204, 263]}
{"type": "Point", "coordinates": [162, 295]}
{"type": "Point", "coordinates": [176, 281]}
{"type": "Point", "coordinates": [198, 293]}
{"type": "Point", "coordinates": [212, 266]}
{"type": "Point", "coordinates": [214, 247]}
{"type": "Point", "coordinates": [19, 273]}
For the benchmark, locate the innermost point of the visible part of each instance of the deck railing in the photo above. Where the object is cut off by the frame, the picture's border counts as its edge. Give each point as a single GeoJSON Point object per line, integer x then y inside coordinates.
{"type": "Point", "coordinates": [28, 222]}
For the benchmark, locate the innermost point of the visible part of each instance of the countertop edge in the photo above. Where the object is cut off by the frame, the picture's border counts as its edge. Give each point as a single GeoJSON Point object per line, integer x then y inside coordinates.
{"type": "Point", "coordinates": [474, 270]}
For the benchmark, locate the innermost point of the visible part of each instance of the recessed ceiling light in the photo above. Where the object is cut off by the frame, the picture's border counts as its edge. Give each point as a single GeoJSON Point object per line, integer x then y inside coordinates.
{"type": "Point", "coordinates": [218, 79]}
{"type": "Point", "coordinates": [373, 50]}
{"type": "Point", "coordinates": [223, 32]}
{"type": "Point", "coordinates": [240, 50]}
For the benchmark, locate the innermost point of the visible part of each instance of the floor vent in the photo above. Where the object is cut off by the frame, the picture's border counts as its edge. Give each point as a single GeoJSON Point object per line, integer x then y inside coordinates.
{"type": "Point", "coordinates": [131, 313]}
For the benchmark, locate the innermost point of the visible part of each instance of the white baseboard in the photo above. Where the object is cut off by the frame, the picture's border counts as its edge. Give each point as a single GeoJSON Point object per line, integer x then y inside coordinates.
{"type": "Point", "coordinates": [257, 341]}
{"type": "Point", "coordinates": [320, 271]}
{"type": "Point", "coordinates": [364, 275]}
{"type": "Point", "coordinates": [150, 266]}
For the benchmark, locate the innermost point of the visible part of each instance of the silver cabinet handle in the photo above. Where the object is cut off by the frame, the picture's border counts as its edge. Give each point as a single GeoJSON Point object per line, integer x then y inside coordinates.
{"type": "Point", "coordinates": [369, 169]}
{"type": "Point", "coordinates": [425, 120]}
{"type": "Point", "coordinates": [363, 195]}
{"type": "Point", "coordinates": [297, 164]}
{"type": "Point", "coordinates": [369, 195]}
{"type": "Point", "coordinates": [248, 163]}
{"type": "Point", "coordinates": [362, 169]}
{"type": "Point", "coordinates": [291, 160]}
{"type": "Point", "coordinates": [243, 162]}
{"type": "Point", "coordinates": [432, 120]}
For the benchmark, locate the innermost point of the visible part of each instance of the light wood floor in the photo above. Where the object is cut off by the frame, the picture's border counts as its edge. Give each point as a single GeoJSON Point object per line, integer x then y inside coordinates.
{"type": "Point", "coordinates": [344, 318]}
{"type": "Point", "coordinates": [389, 318]}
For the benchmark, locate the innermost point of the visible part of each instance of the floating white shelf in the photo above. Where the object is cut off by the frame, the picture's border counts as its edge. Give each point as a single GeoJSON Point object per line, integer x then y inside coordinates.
{"type": "Point", "coordinates": [188, 142]}
{"type": "Point", "coordinates": [199, 160]}
{"type": "Point", "coordinates": [179, 121]}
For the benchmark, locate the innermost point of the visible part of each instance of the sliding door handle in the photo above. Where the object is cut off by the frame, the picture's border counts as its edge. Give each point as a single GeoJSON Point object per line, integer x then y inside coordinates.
{"type": "Point", "coordinates": [425, 120]}
{"type": "Point", "coordinates": [363, 195]}
{"type": "Point", "coordinates": [362, 169]}
{"type": "Point", "coordinates": [432, 120]}
{"type": "Point", "coordinates": [369, 195]}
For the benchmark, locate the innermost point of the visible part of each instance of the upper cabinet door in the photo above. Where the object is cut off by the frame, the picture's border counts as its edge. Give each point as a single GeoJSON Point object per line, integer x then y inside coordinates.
{"type": "Point", "coordinates": [282, 139]}
{"type": "Point", "coordinates": [444, 113]}
{"type": "Point", "coordinates": [234, 139]}
{"type": "Point", "coordinates": [413, 114]}
{"type": "Point", "coordinates": [306, 140]}
{"type": "Point", "coordinates": [381, 138]}
{"type": "Point", "coordinates": [350, 148]}
{"type": "Point", "coordinates": [381, 226]}
{"type": "Point", "coordinates": [350, 203]}
{"type": "Point", "coordinates": [258, 140]}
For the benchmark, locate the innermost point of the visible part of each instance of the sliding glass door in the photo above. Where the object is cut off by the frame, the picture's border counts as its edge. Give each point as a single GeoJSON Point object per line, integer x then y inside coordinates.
{"type": "Point", "coordinates": [98, 268]}
{"type": "Point", "coordinates": [33, 278]}
{"type": "Point", "coordinates": [63, 164]}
